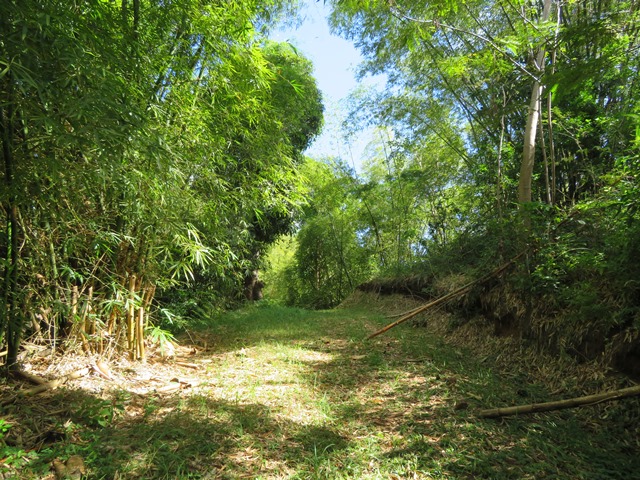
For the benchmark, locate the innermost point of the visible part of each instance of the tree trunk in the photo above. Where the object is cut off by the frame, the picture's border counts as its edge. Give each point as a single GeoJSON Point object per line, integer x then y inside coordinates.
{"type": "Point", "coordinates": [533, 117]}
{"type": "Point", "coordinates": [253, 286]}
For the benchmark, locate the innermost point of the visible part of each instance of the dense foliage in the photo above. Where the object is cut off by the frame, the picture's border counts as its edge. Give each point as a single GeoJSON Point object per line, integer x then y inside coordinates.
{"type": "Point", "coordinates": [505, 126]}
{"type": "Point", "coordinates": [144, 144]}
{"type": "Point", "coordinates": [152, 151]}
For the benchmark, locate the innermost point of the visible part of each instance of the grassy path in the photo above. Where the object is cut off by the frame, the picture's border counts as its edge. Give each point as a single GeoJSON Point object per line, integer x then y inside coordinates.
{"type": "Point", "coordinates": [285, 393]}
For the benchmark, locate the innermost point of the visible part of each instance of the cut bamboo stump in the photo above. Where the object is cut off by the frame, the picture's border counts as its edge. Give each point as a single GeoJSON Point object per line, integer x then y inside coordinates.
{"type": "Point", "coordinates": [560, 404]}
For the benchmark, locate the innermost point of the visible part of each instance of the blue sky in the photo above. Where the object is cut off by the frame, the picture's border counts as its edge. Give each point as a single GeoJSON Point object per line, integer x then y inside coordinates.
{"type": "Point", "coordinates": [335, 61]}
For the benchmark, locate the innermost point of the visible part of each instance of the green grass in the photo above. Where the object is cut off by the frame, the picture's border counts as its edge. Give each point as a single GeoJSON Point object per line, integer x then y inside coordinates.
{"type": "Point", "coordinates": [287, 393]}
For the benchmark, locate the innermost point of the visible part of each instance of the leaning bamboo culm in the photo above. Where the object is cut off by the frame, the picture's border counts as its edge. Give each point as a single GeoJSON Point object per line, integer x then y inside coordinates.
{"type": "Point", "coordinates": [445, 298]}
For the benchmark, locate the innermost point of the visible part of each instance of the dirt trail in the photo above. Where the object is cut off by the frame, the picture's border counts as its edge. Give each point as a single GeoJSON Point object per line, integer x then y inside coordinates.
{"type": "Point", "coordinates": [283, 393]}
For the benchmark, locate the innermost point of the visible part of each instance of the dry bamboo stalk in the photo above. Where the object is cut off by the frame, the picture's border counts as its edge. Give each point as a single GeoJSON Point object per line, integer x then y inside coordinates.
{"type": "Point", "coordinates": [112, 320]}
{"type": "Point", "coordinates": [150, 292]}
{"type": "Point", "coordinates": [421, 309]}
{"type": "Point", "coordinates": [83, 317]}
{"type": "Point", "coordinates": [176, 384]}
{"type": "Point", "coordinates": [130, 315]}
{"type": "Point", "coordinates": [83, 323]}
{"type": "Point", "coordinates": [136, 341]}
{"type": "Point", "coordinates": [55, 383]}
{"type": "Point", "coordinates": [79, 329]}
{"type": "Point", "coordinates": [77, 326]}
{"type": "Point", "coordinates": [74, 299]}
{"type": "Point", "coordinates": [101, 342]}
{"type": "Point", "coordinates": [560, 404]}
{"type": "Point", "coordinates": [170, 387]}
{"type": "Point", "coordinates": [85, 343]}
{"type": "Point", "coordinates": [74, 305]}
{"type": "Point", "coordinates": [90, 326]}
{"type": "Point", "coordinates": [140, 333]}
{"type": "Point", "coordinates": [30, 377]}
{"type": "Point", "coordinates": [445, 298]}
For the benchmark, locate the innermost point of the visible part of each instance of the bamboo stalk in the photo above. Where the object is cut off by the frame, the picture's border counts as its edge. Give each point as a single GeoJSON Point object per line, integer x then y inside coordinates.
{"type": "Point", "coordinates": [560, 404]}
{"type": "Point", "coordinates": [460, 291]}
{"type": "Point", "coordinates": [77, 324]}
{"type": "Point", "coordinates": [90, 326]}
{"type": "Point", "coordinates": [100, 342]}
{"type": "Point", "coordinates": [74, 303]}
{"type": "Point", "coordinates": [421, 309]}
{"type": "Point", "coordinates": [150, 292]}
{"type": "Point", "coordinates": [83, 322]}
{"type": "Point", "coordinates": [140, 334]}
{"type": "Point", "coordinates": [55, 383]}
{"type": "Point", "coordinates": [30, 377]}
{"type": "Point", "coordinates": [112, 320]}
{"type": "Point", "coordinates": [130, 315]}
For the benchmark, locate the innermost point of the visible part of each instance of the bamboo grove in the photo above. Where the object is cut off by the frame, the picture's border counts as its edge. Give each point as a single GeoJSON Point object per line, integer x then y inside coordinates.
{"type": "Point", "coordinates": [505, 126]}
{"type": "Point", "coordinates": [146, 145]}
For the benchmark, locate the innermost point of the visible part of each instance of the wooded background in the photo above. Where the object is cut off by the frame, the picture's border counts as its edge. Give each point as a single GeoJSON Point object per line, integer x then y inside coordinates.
{"type": "Point", "coordinates": [154, 151]}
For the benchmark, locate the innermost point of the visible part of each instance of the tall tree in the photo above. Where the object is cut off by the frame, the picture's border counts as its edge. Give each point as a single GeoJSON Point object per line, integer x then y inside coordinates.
{"type": "Point", "coordinates": [480, 62]}
{"type": "Point", "coordinates": [533, 114]}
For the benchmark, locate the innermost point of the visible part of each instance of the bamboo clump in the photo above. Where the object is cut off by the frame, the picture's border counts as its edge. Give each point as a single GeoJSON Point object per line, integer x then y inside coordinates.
{"type": "Point", "coordinates": [127, 319]}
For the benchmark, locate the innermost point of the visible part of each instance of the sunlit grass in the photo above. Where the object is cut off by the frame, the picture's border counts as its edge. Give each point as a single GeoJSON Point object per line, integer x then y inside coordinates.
{"type": "Point", "coordinates": [274, 375]}
{"type": "Point", "coordinates": [289, 394]}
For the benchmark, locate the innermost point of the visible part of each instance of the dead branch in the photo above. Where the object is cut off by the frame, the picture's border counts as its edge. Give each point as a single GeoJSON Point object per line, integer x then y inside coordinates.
{"type": "Point", "coordinates": [195, 366]}
{"type": "Point", "coordinates": [29, 377]}
{"type": "Point", "coordinates": [560, 404]}
{"type": "Point", "coordinates": [460, 291]}
{"type": "Point", "coordinates": [53, 384]}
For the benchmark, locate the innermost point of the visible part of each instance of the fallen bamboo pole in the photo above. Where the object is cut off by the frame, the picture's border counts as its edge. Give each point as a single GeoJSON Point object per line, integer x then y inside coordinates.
{"type": "Point", "coordinates": [421, 309]}
{"type": "Point", "coordinates": [53, 384]}
{"type": "Point", "coordinates": [560, 404]}
{"type": "Point", "coordinates": [30, 377]}
{"type": "Point", "coordinates": [460, 291]}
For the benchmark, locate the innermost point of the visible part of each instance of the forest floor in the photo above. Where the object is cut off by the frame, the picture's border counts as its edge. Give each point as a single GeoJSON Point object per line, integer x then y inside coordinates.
{"type": "Point", "coordinates": [273, 393]}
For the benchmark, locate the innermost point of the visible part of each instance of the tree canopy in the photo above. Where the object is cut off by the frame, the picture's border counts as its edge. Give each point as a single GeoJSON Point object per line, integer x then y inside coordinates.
{"type": "Point", "coordinates": [153, 151]}
{"type": "Point", "coordinates": [505, 126]}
